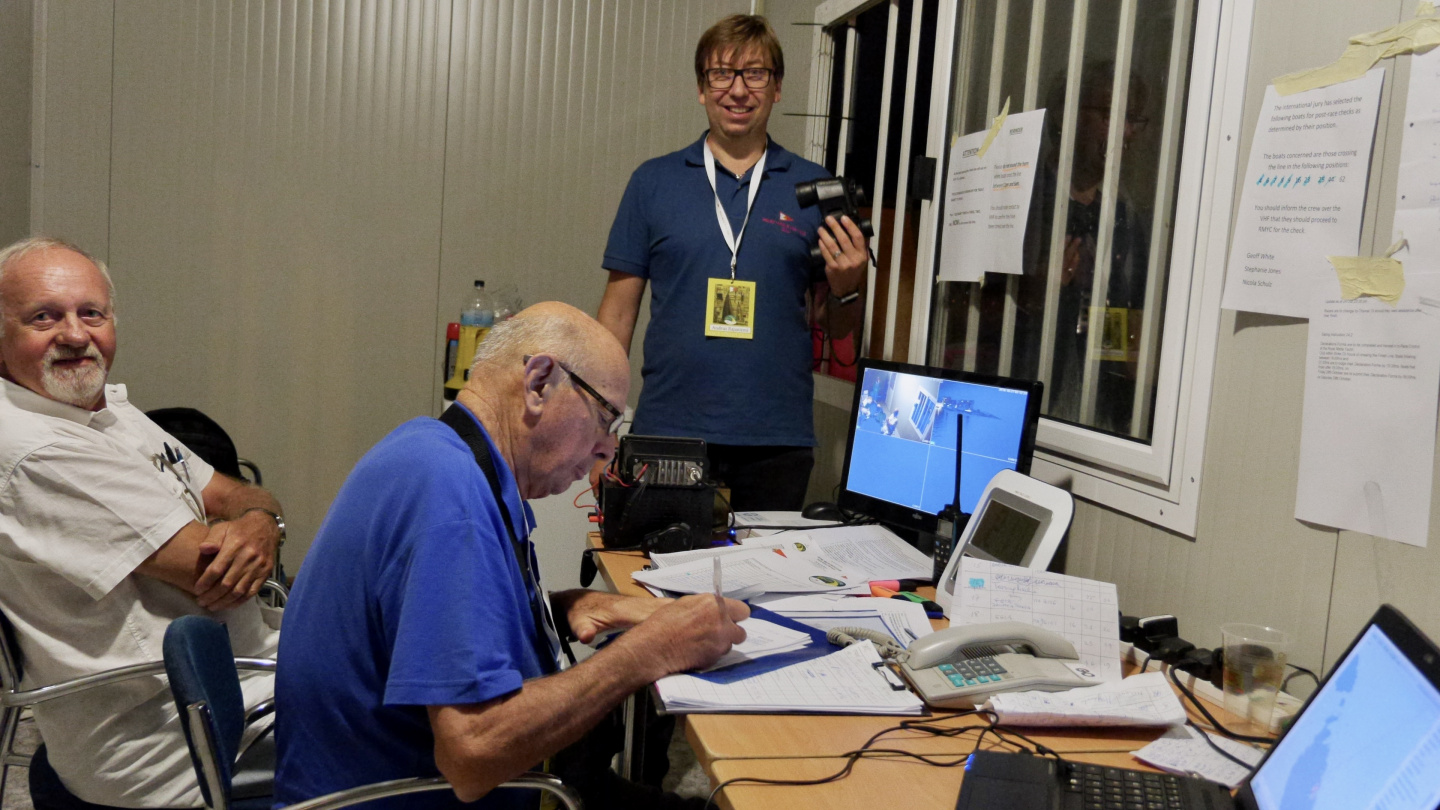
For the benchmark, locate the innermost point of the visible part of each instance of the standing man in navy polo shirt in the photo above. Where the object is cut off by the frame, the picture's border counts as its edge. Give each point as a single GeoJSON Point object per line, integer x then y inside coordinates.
{"type": "Point", "coordinates": [717, 230]}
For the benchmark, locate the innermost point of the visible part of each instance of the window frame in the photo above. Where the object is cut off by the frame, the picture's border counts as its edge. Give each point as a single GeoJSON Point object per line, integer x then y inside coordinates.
{"type": "Point", "coordinates": [1159, 482]}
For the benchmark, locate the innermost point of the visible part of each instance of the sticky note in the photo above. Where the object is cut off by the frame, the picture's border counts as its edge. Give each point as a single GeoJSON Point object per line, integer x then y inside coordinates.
{"type": "Point", "coordinates": [1376, 276]}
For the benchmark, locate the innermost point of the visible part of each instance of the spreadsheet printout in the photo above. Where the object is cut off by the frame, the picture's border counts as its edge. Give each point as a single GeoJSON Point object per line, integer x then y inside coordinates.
{"type": "Point", "coordinates": [1083, 611]}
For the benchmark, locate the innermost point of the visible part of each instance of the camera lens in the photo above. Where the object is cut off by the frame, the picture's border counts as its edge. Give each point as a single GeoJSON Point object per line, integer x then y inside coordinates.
{"type": "Point", "coordinates": [805, 194]}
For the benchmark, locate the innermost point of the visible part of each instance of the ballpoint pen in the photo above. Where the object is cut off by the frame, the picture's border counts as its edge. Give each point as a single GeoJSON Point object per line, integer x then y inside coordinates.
{"type": "Point", "coordinates": [716, 561]}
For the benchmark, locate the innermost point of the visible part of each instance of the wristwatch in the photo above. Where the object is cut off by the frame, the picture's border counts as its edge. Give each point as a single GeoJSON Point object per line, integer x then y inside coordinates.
{"type": "Point", "coordinates": [279, 521]}
{"type": "Point", "coordinates": [848, 298]}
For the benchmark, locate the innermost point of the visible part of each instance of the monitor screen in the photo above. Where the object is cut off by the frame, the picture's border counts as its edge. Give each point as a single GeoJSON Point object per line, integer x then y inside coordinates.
{"type": "Point", "coordinates": [1370, 737]}
{"type": "Point", "coordinates": [900, 459]}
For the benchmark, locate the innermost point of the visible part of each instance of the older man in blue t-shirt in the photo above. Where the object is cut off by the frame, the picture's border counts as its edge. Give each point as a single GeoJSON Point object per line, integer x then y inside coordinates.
{"type": "Point", "coordinates": [728, 352]}
{"type": "Point", "coordinates": [418, 639]}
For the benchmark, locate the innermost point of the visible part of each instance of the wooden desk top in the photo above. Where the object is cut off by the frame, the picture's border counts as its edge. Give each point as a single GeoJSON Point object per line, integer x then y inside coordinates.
{"type": "Point", "coordinates": [792, 738]}
{"type": "Point", "coordinates": [874, 782]}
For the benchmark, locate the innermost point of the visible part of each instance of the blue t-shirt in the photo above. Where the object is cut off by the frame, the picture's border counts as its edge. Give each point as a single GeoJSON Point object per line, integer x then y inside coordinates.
{"type": "Point", "coordinates": [411, 596]}
{"type": "Point", "coordinates": [723, 390]}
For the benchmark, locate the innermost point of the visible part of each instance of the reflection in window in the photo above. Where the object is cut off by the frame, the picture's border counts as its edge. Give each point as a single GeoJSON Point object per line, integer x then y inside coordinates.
{"type": "Point", "coordinates": [1086, 314]}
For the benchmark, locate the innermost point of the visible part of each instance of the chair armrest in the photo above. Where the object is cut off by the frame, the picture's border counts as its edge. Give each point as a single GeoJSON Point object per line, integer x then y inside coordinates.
{"type": "Point", "coordinates": [41, 694]}
{"type": "Point", "coordinates": [261, 709]}
{"type": "Point", "coordinates": [400, 787]}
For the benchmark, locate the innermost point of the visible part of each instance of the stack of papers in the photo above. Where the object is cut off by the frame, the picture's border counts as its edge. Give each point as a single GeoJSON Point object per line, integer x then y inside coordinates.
{"type": "Point", "coordinates": [849, 681]}
{"type": "Point", "coordinates": [842, 560]}
{"type": "Point", "coordinates": [902, 620]}
{"type": "Point", "coordinates": [1140, 700]}
{"type": "Point", "coordinates": [762, 638]}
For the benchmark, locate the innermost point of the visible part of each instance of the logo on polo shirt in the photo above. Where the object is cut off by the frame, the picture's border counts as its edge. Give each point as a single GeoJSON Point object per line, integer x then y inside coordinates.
{"type": "Point", "coordinates": [787, 224]}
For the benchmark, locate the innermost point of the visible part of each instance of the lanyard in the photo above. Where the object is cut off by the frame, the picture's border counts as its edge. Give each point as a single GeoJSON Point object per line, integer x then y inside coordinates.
{"type": "Point", "coordinates": [756, 174]}
{"type": "Point", "coordinates": [463, 425]}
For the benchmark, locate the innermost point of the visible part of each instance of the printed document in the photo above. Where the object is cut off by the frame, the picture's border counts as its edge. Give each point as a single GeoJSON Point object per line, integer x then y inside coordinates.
{"type": "Point", "coordinates": [1139, 700]}
{"type": "Point", "coordinates": [762, 638]}
{"type": "Point", "coordinates": [1303, 195]}
{"type": "Point", "coordinates": [1367, 437]}
{"type": "Point", "coordinates": [1081, 610]}
{"type": "Point", "coordinates": [987, 200]}
{"type": "Point", "coordinates": [848, 681]}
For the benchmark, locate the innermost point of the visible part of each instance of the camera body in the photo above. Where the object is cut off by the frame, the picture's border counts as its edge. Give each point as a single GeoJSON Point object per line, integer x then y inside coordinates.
{"type": "Point", "coordinates": [837, 196]}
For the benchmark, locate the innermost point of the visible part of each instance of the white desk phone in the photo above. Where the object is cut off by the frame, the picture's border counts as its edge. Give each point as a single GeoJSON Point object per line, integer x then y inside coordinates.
{"type": "Point", "coordinates": [961, 667]}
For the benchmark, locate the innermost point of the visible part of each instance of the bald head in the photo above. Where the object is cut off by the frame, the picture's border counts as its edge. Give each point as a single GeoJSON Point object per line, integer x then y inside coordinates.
{"type": "Point", "coordinates": [546, 385]}
{"type": "Point", "coordinates": [574, 338]}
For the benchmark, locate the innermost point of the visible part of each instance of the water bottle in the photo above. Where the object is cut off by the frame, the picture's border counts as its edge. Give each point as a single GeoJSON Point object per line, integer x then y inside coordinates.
{"type": "Point", "coordinates": [480, 310]}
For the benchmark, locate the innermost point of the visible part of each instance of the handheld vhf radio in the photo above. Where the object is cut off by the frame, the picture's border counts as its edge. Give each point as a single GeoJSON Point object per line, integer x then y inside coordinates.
{"type": "Point", "coordinates": [837, 196]}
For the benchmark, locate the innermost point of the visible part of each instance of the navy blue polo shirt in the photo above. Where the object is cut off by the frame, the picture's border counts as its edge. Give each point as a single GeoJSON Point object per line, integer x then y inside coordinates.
{"type": "Point", "coordinates": [723, 390]}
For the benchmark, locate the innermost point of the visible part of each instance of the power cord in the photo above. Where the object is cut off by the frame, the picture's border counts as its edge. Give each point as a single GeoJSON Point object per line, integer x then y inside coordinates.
{"type": "Point", "coordinates": [1209, 718]}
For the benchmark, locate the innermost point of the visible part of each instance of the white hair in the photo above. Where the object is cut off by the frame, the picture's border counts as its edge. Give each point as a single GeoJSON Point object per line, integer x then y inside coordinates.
{"type": "Point", "coordinates": [508, 342]}
{"type": "Point", "coordinates": [12, 254]}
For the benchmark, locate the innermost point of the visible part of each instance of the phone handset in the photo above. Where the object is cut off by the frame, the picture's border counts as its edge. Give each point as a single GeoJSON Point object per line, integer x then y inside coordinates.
{"type": "Point", "coordinates": [961, 667]}
{"type": "Point", "coordinates": [977, 640]}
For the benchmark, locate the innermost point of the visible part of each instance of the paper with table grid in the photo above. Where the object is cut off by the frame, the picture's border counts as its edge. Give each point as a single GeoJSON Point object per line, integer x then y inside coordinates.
{"type": "Point", "coordinates": [1084, 611]}
{"type": "Point", "coordinates": [844, 682]}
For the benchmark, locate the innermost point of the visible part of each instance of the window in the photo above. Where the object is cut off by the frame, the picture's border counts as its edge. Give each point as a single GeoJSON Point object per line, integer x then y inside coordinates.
{"type": "Point", "coordinates": [1123, 343]}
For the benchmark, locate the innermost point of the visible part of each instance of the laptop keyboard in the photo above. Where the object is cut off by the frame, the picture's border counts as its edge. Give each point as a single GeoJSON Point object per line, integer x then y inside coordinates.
{"type": "Point", "coordinates": [1102, 788]}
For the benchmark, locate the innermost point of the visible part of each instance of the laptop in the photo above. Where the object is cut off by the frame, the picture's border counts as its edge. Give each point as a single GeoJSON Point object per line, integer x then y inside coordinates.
{"type": "Point", "coordinates": [1369, 737]}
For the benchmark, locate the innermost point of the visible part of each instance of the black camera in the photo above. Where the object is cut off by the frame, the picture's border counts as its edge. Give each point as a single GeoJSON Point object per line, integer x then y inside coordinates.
{"type": "Point", "coordinates": [837, 196]}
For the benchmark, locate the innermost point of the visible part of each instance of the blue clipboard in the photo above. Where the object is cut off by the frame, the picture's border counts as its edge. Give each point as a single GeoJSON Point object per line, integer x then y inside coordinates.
{"type": "Point", "coordinates": [817, 648]}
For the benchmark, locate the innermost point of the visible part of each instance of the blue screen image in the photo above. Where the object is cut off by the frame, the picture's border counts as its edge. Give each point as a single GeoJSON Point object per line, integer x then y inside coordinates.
{"type": "Point", "coordinates": [1370, 738]}
{"type": "Point", "coordinates": [904, 446]}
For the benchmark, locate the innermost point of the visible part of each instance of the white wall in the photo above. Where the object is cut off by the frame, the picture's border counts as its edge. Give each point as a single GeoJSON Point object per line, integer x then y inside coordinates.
{"type": "Point", "coordinates": [294, 196]}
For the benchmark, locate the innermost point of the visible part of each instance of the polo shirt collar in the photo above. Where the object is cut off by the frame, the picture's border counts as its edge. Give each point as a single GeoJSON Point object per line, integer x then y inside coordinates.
{"type": "Point", "coordinates": [27, 400]}
{"type": "Point", "coordinates": [777, 159]}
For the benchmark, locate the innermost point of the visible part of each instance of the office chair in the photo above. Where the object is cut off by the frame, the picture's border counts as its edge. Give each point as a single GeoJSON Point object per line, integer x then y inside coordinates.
{"type": "Point", "coordinates": [206, 686]}
{"type": "Point", "coordinates": [206, 439]}
{"type": "Point", "coordinates": [46, 790]}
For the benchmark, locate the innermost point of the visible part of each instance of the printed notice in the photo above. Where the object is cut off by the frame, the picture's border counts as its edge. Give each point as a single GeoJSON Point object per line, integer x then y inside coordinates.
{"type": "Point", "coordinates": [987, 200]}
{"type": "Point", "coordinates": [1304, 195]}
{"type": "Point", "coordinates": [1367, 439]}
{"type": "Point", "coordinates": [1417, 198]}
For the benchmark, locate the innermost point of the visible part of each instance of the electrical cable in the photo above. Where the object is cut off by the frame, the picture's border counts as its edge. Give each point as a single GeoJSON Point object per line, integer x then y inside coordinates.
{"type": "Point", "coordinates": [1221, 751]}
{"type": "Point", "coordinates": [1299, 670]}
{"type": "Point", "coordinates": [1216, 724]}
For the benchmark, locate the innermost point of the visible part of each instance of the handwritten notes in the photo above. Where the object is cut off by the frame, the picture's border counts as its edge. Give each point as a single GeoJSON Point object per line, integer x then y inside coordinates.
{"type": "Point", "coordinates": [1140, 700]}
{"type": "Point", "coordinates": [1182, 750]}
{"type": "Point", "coordinates": [1081, 610]}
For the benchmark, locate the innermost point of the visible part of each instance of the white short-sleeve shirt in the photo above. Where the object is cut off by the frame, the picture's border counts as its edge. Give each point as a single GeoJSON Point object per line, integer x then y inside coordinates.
{"type": "Point", "coordinates": [84, 499]}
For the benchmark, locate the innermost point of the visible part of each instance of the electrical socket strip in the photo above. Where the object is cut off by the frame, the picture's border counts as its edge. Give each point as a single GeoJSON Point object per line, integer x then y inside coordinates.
{"type": "Point", "coordinates": [1286, 705]}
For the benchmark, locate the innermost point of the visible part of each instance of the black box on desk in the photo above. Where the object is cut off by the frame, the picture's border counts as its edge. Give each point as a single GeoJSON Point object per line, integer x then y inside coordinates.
{"type": "Point", "coordinates": [663, 480]}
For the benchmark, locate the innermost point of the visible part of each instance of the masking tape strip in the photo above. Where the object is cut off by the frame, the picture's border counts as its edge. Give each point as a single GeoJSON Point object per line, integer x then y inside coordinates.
{"type": "Point", "coordinates": [1425, 8]}
{"type": "Point", "coordinates": [1364, 50]}
{"type": "Point", "coordinates": [994, 128]}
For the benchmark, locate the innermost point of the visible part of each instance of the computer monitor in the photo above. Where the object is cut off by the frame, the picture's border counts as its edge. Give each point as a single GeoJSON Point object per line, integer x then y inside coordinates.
{"type": "Point", "coordinates": [900, 453]}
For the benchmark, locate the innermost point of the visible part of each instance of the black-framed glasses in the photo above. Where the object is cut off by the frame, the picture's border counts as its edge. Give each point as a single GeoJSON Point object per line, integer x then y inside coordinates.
{"type": "Point", "coordinates": [756, 78]}
{"type": "Point", "coordinates": [616, 415]}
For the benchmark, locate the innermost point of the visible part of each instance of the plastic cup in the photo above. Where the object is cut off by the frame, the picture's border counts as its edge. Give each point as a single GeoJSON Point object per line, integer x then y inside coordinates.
{"type": "Point", "coordinates": [1255, 659]}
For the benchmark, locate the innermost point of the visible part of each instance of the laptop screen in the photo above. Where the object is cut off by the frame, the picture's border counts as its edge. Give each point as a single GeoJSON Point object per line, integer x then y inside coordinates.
{"type": "Point", "coordinates": [1370, 738]}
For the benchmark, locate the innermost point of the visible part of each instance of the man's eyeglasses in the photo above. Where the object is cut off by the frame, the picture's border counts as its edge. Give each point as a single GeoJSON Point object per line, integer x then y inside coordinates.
{"type": "Point", "coordinates": [756, 78]}
{"type": "Point", "coordinates": [612, 426]}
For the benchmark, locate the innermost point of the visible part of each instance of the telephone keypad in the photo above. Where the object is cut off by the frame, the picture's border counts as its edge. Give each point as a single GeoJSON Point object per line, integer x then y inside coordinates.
{"type": "Point", "coordinates": [973, 672]}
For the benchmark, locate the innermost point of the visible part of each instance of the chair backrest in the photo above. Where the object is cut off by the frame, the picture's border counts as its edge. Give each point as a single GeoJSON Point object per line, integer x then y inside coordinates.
{"type": "Point", "coordinates": [10, 669]}
{"type": "Point", "coordinates": [202, 435]}
{"type": "Point", "coordinates": [201, 667]}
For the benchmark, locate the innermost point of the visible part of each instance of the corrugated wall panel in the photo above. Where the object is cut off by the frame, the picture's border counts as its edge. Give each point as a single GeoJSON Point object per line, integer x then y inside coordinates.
{"type": "Point", "coordinates": [275, 223]}
{"type": "Point", "coordinates": [553, 104]}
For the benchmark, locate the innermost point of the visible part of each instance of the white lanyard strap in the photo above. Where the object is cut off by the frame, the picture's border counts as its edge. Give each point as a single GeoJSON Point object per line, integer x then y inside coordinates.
{"type": "Point", "coordinates": [756, 174]}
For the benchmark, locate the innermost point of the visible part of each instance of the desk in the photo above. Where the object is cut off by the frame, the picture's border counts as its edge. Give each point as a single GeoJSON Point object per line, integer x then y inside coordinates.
{"type": "Point", "coordinates": [801, 746]}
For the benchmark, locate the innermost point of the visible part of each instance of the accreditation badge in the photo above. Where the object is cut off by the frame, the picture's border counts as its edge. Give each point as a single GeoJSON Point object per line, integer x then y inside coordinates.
{"type": "Point", "coordinates": [730, 309]}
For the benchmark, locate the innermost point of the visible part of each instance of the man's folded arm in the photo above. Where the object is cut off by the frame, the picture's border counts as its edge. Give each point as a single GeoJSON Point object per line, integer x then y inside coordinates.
{"type": "Point", "coordinates": [225, 563]}
{"type": "Point", "coordinates": [479, 746]}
